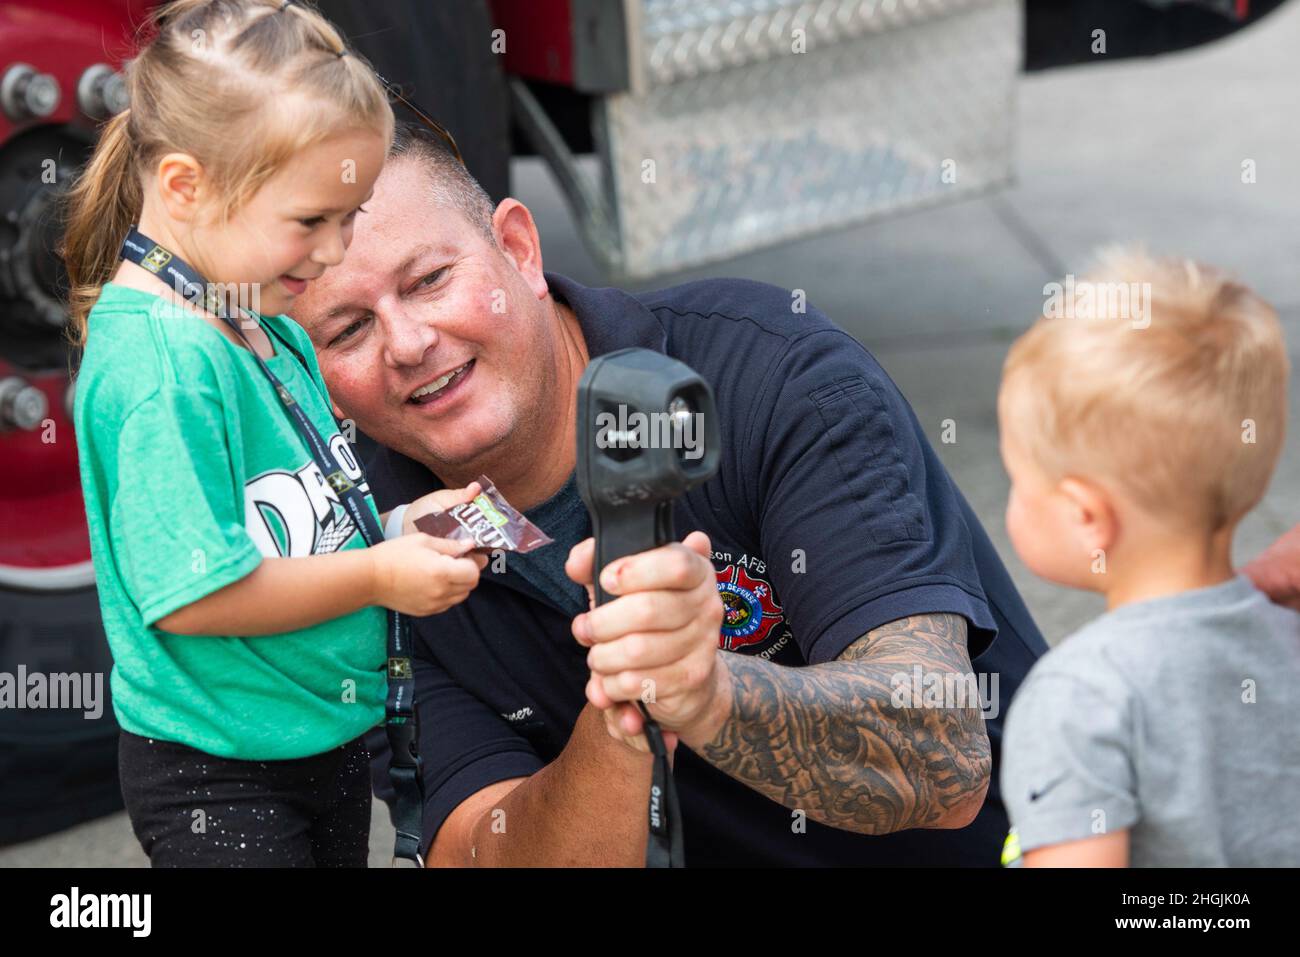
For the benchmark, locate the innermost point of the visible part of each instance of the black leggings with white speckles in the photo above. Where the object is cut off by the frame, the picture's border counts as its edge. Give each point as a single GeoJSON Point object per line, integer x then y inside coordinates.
{"type": "Point", "coordinates": [191, 809]}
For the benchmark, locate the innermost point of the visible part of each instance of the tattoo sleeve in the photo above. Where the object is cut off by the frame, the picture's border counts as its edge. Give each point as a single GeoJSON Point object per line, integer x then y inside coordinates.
{"type": "Point", "coordinates": [832, 739]}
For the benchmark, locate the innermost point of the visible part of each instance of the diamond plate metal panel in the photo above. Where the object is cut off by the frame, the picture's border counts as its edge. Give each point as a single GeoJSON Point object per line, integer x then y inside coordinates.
{"type": "Point", "coordinates": [684, 38]}
{"type": "Point", "coordinates": [731, 140]}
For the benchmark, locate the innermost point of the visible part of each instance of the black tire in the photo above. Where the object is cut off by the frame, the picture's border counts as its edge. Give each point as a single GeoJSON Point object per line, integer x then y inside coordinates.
{"type": "Point", "coordinates": [57, 768]}
{"type": "Point", "coordinates": [440, 55]}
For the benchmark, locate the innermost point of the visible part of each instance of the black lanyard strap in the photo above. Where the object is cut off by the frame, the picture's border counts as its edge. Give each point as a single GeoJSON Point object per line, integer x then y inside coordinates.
{"type": "Point", "coordinates": [665, 845]}
{"type": "Point", "coordinates": [401, 723]}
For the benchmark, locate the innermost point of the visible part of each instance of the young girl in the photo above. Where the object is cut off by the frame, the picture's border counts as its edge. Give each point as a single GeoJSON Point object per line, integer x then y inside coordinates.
{"type": "Point", "coordinates": [228, 517]}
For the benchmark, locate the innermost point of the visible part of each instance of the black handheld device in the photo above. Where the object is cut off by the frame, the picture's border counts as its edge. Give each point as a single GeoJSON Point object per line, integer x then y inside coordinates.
{"type": "Point", "coordinates": [647, 432]}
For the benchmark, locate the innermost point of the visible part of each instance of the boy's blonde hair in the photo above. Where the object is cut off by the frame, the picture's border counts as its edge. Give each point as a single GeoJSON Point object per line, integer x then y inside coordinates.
{"type": "Point", "coordinates": [1181, 401]}
{"type": "Point", "coordinates": [241, 85]}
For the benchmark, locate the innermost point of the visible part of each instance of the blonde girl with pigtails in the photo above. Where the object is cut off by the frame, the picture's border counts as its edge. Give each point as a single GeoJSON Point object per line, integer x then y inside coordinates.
{"type": "Point", "coordinates": [247, 589]}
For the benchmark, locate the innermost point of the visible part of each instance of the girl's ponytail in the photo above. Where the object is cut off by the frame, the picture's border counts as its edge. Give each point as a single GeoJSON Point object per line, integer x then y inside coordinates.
{"type": "Point", "coordinates": [240, 85]}
{"type": "Point", "coordinates": [101, 206]}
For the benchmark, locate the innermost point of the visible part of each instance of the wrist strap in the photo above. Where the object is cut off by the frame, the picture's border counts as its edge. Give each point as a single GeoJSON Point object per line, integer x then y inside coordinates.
{"type": "Point", "coordinates": [664, 847]}
{"type": "Point", "coordinates": [393, 527]}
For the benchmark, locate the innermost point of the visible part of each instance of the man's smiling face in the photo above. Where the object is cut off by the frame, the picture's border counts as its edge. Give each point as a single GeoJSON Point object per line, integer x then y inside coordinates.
{"type": "Point", "coordinates": [435, 340]}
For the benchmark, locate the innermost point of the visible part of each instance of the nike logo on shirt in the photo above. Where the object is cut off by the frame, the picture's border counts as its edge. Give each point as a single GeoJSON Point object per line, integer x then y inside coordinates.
{"type": "Point", "coordinates": [1035, 795]}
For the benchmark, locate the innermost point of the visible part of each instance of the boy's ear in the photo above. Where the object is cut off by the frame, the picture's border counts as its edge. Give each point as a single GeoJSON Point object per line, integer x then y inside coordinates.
{"type": "Point", "coordinates": [1091, 514]}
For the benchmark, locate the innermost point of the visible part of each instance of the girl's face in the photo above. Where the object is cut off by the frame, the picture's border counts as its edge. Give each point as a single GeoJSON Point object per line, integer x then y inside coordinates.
{"type": "Point", "coordinates": [297, 224]}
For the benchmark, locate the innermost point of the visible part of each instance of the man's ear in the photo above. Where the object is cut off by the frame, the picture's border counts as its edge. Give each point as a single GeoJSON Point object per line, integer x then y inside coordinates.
{"type": "Point", "coordinates": [178, 183]}
{"type": "Point", "coordinates": [516, 236]}
{"type": "Point", "coordinates": [1091, 514]}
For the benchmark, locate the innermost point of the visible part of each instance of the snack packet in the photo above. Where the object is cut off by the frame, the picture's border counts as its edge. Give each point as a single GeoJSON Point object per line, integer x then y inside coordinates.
{"type": "Point", "coordinates": [489, 521]}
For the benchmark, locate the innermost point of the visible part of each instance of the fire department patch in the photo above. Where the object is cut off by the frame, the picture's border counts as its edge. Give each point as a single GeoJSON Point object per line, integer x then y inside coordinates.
{"type": "Point", "coordinates": [750, 610]}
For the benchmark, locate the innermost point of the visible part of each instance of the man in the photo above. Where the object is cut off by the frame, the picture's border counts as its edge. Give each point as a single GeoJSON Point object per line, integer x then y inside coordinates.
{"type": "Point", "coordinates": [1276, 570]}
{"type": "Point", "coordinates": [831, 576]}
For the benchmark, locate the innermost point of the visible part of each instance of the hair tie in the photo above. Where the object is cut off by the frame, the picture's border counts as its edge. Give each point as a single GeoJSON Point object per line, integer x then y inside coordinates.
{"type": "Point", "coordinates": [290, 3]}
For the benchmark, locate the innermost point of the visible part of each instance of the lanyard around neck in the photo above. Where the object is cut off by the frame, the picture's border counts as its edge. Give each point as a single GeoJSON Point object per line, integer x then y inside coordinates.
{"type": "Point", "coordinates": [401, 722]}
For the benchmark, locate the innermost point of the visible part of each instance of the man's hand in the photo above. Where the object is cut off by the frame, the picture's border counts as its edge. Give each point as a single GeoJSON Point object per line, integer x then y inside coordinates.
{"type": "Point", "coordinates": [1276, 572]}
{"type": "Point", "coordinates": [624, 724]}
{"type": "Point", "coordinates": [438, 501]}
{"type": "Point", "coordinates": [657, 642]}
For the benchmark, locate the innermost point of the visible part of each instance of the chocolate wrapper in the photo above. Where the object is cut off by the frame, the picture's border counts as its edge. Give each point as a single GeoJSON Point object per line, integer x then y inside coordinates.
{"type": "Point", "coordinates": [489, 521]}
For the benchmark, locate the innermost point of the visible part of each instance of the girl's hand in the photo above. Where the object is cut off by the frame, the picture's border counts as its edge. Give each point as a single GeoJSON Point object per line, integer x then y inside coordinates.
{"type": "Point", "coordinates": [438, 501]}
{"type": "Point", "coordinates": [420, 575]}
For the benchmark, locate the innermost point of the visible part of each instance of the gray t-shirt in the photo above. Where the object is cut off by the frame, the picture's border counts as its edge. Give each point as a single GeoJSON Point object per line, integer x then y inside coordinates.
{"type": "Point", "coordinates": [1178, 718]}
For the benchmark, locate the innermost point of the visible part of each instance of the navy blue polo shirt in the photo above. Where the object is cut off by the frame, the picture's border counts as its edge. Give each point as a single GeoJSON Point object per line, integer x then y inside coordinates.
{"type": "Point", "coordinates": [829, 516]}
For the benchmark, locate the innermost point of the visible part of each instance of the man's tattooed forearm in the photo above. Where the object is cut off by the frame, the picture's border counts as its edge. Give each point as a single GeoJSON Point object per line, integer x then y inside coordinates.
{"type": "Point", "coordinates": [829, 739]}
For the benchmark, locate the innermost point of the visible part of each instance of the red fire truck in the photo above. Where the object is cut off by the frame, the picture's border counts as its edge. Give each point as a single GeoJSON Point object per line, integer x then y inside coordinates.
{"type": "Point", "coordinates": [771, 119]}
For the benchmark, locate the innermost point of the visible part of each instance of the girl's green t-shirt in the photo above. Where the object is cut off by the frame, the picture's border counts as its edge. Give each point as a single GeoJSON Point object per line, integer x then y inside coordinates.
{"type": "Point", "coordinates": [193, 473]}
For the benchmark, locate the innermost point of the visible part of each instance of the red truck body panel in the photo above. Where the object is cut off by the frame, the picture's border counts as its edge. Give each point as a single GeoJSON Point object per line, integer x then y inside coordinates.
{"type": "Point", "coordinates": [539, 38]}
